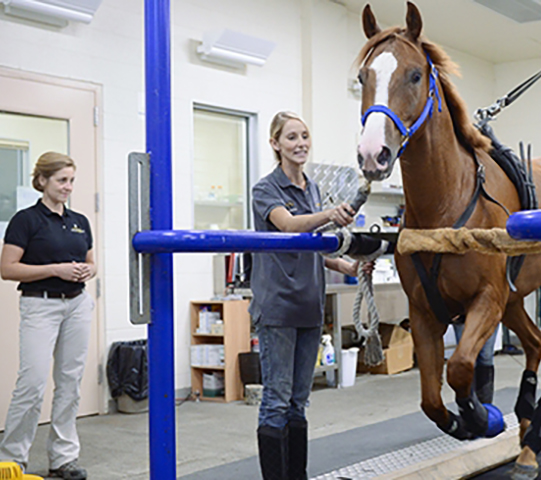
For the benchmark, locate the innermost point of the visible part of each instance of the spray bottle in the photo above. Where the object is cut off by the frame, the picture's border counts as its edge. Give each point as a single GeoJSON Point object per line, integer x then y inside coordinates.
{"type": "Point", "coordinates": [327, 357]}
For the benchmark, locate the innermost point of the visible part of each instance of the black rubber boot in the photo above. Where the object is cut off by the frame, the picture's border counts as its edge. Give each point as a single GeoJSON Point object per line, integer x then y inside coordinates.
{"type": "Point", "coordinates": [484, 383]}
{"type": "Point", "coordinates": [273, 452]}
{"type": "Point", "coordinates": [474, 414]}
{"type": "Point", "coordinates": [456, 428]}
{"type": "Point", "coordinates": [298, 449]}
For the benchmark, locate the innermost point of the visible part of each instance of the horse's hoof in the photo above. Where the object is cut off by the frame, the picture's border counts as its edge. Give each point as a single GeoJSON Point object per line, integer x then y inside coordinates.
{"type": "Point", "coordinates": [523, 426]}
{"type": "Point", "coordinates": [496, 425]}
{"type": "Point", "coordinates": [524, 472]}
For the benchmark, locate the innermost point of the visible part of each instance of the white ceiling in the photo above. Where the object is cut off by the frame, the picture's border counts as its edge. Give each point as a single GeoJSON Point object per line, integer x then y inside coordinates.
{"type": "Point", "coordinates": [463, 25]}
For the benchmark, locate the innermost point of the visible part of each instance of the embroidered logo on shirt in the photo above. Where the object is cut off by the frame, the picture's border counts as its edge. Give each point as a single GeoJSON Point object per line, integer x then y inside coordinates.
{"type": "Point", "coordinates": [76, 229]}
{"type": "Point", "coordinates": [291, 207]}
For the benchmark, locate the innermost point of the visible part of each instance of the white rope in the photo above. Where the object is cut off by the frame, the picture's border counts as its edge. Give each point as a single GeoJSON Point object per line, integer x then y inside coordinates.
{"type": "Point", "coordinates": [373, 352]}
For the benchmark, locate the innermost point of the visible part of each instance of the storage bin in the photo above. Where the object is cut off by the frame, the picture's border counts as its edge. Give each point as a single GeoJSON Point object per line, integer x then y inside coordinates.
{"type": "Point", "coordinates": [349, 367]}
{"type": "Point", "coordinates": [250, 368]}
{"type": "Point", "coordinates": [127, 375]}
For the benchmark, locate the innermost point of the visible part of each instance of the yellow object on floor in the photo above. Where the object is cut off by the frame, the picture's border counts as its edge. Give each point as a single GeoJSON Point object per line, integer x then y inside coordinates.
{"type": "Point", "coordinates": [12, 471]}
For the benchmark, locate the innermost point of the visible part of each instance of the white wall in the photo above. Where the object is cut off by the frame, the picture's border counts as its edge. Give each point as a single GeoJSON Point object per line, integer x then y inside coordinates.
{"type": "Point", "coordinates": [520, 121]}
{"type": "Point", "coordinates": [276, 86]}
{"type": "Point", "coordinates": [306, 73]}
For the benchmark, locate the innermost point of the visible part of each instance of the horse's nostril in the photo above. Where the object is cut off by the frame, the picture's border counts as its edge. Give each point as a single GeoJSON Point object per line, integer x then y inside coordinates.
{"type": "Point", "coordinates": [360, 160]}
{"type": "Point", "coordinates": [384, 156]}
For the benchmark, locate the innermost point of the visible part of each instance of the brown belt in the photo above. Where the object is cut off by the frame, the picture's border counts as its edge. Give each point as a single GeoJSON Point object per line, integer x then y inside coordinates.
{"type": "Point", "coordinates": [46, 294]}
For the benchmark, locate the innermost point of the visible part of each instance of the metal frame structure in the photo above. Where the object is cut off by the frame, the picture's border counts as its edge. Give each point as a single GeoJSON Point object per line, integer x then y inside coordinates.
{"type": "Point", "coordinates": [154, 236]}
{"type": "Point", "coordinates": [162, 442]}
{"type": "Point", "coordinates": [160, 241]}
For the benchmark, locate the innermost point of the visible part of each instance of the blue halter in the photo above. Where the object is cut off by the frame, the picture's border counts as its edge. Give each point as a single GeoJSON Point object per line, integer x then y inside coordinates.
{"type": "Point", "coordinates": [407, 133]}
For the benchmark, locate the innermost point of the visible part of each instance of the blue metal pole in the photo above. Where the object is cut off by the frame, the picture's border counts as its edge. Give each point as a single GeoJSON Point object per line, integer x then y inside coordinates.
{"type": "Point", "coordinates": [162, 445]}
{"type": "Point", "coordinates": [155, 241]}
{"type": "Point", "coordinates": [525, 225]}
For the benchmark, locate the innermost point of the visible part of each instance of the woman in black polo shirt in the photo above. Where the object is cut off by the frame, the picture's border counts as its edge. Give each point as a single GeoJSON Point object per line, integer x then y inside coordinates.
{"type": "Point", "coordinates": [48, 249]}
{"type": "Point", "coordinates": [288, 298]}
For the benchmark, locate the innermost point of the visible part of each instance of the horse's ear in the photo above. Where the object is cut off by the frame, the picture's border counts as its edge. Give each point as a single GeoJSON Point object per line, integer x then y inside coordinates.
{"type": "Point", "coordinates": [370, 25]}
{"type": "Point", "coordinates": [414, 22]}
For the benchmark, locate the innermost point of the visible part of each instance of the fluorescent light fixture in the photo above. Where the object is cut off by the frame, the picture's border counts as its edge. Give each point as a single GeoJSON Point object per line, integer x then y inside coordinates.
{"type": "Point", "coordinates": [521, 11]}
{"type": "Point", "coordinates": [234, 49]}
{"type": "Point", "coordinates": [47, 10]}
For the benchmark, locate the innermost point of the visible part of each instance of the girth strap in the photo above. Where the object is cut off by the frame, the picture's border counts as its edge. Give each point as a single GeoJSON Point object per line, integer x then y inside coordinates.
{"type": "Point", "coordinates": [429, 281]}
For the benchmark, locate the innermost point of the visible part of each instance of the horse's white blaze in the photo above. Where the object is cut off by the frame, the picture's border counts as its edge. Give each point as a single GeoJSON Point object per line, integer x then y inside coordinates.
{"type": "Point", "coordinates": [373, 134]}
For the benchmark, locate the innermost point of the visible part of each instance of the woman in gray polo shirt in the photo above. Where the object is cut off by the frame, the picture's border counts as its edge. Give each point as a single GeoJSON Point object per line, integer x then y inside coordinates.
{"type": "Point", "coordinates": [288, 299]}
{"type": "Point", "coordinates": [48, 249]}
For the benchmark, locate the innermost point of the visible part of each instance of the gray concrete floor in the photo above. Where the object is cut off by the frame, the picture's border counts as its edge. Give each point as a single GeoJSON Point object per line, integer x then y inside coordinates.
{"type": "Point", "coordinates": [212, 434]}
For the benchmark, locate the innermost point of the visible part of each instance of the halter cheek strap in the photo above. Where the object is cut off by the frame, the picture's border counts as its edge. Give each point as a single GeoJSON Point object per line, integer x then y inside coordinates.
{"type": "Point", "coordinates": [407, 133]}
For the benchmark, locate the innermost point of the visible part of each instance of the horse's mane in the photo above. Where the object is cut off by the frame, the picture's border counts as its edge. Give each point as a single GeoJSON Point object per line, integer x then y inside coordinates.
{"type": "Point", "coordinates": [465, 131]}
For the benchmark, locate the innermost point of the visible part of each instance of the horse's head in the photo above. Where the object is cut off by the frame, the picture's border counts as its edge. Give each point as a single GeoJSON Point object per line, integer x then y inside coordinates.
{"type": "Point", "coordinates": [398, 80]}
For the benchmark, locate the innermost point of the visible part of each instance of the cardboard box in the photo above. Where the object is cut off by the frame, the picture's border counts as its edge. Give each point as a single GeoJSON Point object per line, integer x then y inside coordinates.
{"type": "Point", "coordinates": [397, 345]}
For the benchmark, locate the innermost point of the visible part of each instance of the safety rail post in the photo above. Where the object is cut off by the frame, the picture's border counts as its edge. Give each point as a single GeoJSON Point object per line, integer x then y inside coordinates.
{"type": "Point", "coordinates": [162, 444]}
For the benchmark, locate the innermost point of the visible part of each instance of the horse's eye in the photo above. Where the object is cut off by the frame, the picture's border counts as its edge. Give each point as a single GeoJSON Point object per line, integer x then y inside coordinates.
{"type": "Point", "coordinates": [360, 77]}
{"type": "Point", "coordinates": [416, 77]}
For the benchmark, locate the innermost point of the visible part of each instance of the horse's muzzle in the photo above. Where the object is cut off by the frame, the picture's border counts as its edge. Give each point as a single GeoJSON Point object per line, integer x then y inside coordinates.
{"type": "Point", "coordinates": [378, 168]}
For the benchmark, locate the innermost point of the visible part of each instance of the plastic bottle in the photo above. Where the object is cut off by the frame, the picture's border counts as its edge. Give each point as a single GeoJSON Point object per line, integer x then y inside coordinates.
{"type": "Point", "coordinates": [327, 357]}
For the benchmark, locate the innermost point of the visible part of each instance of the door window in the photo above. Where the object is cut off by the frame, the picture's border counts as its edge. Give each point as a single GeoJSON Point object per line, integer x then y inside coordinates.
{"type": "Point", "coordinates": [13, 165]}
{"type": "Point", "coordinates": [23, 138]}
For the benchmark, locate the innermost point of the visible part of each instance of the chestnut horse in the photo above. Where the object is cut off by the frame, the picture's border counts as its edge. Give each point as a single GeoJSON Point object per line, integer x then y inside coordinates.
{"type": "Point", "coordinates": [411, 111]}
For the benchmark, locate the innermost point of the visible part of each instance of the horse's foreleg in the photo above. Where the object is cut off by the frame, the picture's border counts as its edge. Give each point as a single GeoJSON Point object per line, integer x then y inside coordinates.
{"type": "Point", "coordinates": [428, 340]}
{"type": "Point", "coordinates": [481, 321]}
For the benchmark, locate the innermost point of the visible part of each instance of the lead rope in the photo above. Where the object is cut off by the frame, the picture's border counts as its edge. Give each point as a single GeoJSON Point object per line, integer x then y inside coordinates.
{"type": "Point", "coordinates": [373, 352]}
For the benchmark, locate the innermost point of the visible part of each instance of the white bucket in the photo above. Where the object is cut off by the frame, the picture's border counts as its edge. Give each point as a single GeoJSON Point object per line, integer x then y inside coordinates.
{"type": "Point", "coordinates": [349, 367]}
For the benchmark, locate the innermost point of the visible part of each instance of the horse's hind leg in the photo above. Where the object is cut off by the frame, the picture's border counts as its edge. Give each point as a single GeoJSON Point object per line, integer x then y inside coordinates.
{"type": "Point", "coordinates": [516, 318]}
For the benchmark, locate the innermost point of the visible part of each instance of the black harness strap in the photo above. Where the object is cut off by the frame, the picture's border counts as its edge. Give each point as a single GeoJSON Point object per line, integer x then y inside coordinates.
{"type": "Point", "coordinates": [429, 281]}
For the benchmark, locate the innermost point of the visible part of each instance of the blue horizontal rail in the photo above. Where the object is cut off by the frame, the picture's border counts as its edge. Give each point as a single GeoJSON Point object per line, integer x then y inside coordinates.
{"type": "Point", "coordinates": [525, 225]}
{"type": "Point", "coordinates": [169, 241]}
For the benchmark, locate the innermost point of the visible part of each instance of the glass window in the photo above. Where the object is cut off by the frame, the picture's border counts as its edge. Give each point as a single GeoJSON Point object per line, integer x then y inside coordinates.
{"type": "Point", "coordinates": [10, 166]}
{"type": "Point", "coordinates": [23, 138]}
{"type": "Point", "coordinates": [220, 169]}
{"type": "Point", "coordinates": [14, 166]}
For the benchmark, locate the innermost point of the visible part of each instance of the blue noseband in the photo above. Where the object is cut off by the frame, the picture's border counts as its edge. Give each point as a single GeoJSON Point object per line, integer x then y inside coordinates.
{"type": "Point", "coordinates": [407, 133]}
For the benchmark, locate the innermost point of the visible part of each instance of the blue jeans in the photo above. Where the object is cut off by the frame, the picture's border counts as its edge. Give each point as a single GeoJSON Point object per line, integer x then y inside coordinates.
{"type": "Point", "coordinates": [486, 355]}
{"type": "Point", "coordinates": [288, 358]}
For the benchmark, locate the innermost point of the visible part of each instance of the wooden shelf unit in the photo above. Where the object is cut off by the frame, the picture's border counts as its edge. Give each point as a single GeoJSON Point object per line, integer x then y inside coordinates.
{"type": "Point", "coordinates": [235, 339]}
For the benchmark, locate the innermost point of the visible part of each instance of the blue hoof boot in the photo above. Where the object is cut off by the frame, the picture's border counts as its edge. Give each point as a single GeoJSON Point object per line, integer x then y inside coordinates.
{"type": "Point", "coordinates": [496, 425]}
{"type": "Point", "coordinates": [524, 472]}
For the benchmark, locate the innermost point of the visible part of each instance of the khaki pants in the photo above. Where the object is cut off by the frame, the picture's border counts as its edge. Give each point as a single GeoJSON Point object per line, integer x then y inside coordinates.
{"type": "Point", "coordinates": [50, 328]}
